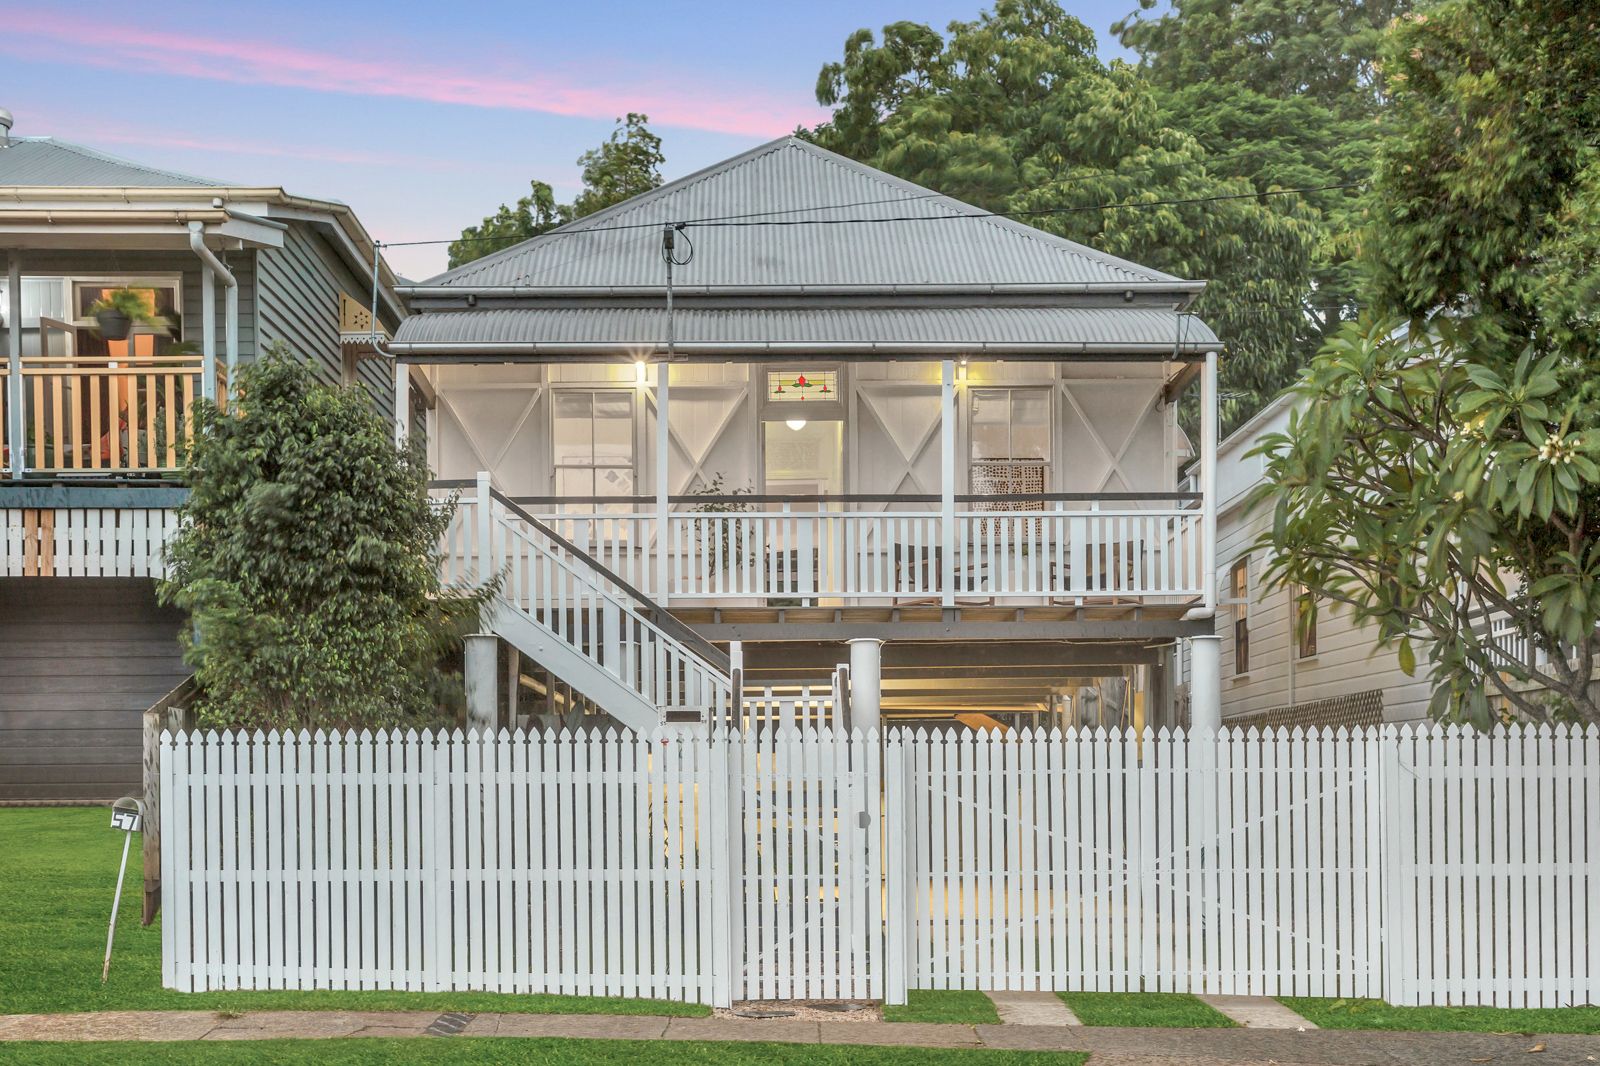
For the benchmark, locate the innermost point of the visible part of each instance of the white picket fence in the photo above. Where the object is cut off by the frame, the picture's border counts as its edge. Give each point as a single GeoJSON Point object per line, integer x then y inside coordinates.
{"type": "Point", "coordinates": [808, 862]}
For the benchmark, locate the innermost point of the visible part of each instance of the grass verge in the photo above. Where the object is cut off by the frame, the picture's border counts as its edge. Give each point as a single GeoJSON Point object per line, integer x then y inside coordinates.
{"type": "Point", "coordinates": [1376, 1014]}
{"type": "Point", "coordinates": [959, 1007]}
{"type": "Point", "coordinates": [61, 871]}
{"type": "Point", "coordinates": [1171, 1010]}
{"type": "Point", "coordinates": [476, 1051]}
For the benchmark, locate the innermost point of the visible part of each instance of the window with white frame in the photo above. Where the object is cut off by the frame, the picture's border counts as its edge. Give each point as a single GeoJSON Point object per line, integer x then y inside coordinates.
{"type": "Point", "coordinates": [1305, 622]}
{"type": "Point", "coordinates": [1008, 440]}
{"type": "Point", "coordinates": [1239, 593]}
{"type": "Point", "coordinates": [593, 442]}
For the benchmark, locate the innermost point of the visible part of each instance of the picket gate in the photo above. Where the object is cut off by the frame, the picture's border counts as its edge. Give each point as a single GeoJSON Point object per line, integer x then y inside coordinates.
{"type": "Point", "coordinates": [797, 860]}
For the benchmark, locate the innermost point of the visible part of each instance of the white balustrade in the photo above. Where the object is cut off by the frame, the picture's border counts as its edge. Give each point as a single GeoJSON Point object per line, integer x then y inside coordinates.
{"type": "Point", "coordinates": [847, 553]}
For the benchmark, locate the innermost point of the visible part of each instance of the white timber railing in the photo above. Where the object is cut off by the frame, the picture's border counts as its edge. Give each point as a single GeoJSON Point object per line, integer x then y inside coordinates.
{"type": "Point", "coordinates": [578, 608]}
{"type": "Point", "coordinates": [127, 540]}
{"type": "Point", "coordinates": [1423, 866]}
{"type": "Point", "coordinates": [1062, 549]}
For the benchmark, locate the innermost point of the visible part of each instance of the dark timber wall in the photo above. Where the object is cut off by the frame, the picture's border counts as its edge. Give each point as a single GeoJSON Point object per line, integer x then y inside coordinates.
{"type": "Point", "coordinates": [80, 660]}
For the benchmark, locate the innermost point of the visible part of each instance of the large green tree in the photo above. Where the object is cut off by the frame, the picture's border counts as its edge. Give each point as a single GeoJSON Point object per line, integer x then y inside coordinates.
{"type": "Point", "coordinates": [1014, 112]}
{"type": "Point", "coordinates": [1445, 464]}
{"type": "Point", "coordinates": [627, 164]}
{"type": "Point", "coordinates": [1282, 93]}
{"type": "Point", "coordinates": [308, 560]}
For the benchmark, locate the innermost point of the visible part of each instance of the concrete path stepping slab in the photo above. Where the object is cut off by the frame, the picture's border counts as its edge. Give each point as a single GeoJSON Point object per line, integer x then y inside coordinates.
{"type": "Point", "coordinates": [1257, 1012]}
{"type": "Point", "coordinates": [1032, 1008]}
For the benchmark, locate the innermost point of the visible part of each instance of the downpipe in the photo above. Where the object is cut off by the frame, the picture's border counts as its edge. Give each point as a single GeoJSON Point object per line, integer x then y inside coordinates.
{"type": "Point", "coordinates": [216, 269]}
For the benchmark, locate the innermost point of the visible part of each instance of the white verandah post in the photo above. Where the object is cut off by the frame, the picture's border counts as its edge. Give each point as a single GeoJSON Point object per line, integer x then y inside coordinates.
{"type": "Point", "coordinates": [14, 402]}
{"type": "Point", "coordinates": [663, 480]}
{"type": "Point", "coordinates": [402, 403]}
{"type": "Point", "coordinates": [947, 483]}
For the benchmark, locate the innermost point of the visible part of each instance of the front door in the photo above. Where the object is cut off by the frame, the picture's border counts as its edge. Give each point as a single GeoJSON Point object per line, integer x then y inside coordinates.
{"type": "Point", "coordinates": [801, 457]}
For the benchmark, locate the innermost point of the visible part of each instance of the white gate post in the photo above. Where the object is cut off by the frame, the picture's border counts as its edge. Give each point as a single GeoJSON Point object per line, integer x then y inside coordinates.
{"type": "Point", "coordinates": [1205, 721]}
{"type": "Point", "coordinates": [727, 908]}
{"type": "Point", "coordinates": [899, 837]}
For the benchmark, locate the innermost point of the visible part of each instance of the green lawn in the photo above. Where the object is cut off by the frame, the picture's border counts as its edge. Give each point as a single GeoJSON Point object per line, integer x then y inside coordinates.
{"type": "Point", "coordinates": [474, 1051]}
{"type": "Point", "coordinates": [55, 897]}
{"type": "Point", "coordinates": [1171, 1010]}
{"type": "Point", "coordinates": [927, 1005]}
{"type": "Point", "coordinates": [1376, 1014]}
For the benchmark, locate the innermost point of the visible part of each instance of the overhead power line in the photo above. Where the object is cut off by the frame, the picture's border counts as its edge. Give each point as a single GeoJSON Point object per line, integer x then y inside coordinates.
{"type": "Point", "coordinates": [759, 218]}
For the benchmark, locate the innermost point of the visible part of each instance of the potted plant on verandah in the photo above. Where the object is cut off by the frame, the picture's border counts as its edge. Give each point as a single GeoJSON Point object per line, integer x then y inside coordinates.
{"type": "Point", "coordinates": [118, 310]}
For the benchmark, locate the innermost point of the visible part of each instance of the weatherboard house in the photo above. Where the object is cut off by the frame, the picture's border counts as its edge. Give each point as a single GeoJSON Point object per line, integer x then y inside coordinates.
{"type": "Point", "coordinates": [93, 418]}
{"type": "Point", "coordinates": [793, 423]}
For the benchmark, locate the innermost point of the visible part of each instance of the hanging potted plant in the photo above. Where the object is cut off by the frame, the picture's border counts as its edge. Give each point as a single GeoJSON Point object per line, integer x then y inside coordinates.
{"type": "Point", "coordinates": [118, 310]}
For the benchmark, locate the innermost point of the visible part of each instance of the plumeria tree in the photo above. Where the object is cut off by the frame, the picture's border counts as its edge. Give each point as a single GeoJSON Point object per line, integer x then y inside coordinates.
{"type": "Point", "coordinates": [1425, 491]}
{"type": "Point", "coordinates": [1443, 466]}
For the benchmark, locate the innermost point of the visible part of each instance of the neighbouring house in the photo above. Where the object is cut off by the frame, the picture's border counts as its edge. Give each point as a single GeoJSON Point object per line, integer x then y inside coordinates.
{"type": "Point", "coordinates": [791, 413]}
{"type": "Point", "coordinates": [1276, 672]}
{"type": "Point", "coordinates": [92, 424]}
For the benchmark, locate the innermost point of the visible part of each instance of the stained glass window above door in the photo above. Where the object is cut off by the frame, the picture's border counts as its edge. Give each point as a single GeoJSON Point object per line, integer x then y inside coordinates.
{"type": "Point", "coordinates": [800, 386]}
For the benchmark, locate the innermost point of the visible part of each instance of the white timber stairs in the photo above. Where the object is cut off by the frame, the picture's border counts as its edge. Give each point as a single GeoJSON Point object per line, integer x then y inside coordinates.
{"type": "Point", "coordinates": [561, 608]}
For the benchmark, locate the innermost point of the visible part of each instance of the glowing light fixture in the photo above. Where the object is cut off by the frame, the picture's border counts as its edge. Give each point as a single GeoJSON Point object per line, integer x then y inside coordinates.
{"type": "Point", "coordinates": [796, 424]}
{"type": "Point", "coordinates": [641, 371]}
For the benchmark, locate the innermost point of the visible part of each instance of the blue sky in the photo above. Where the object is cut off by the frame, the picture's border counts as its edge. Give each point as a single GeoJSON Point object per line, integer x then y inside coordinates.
{"type": "Point", "coordinates": [426, 120]}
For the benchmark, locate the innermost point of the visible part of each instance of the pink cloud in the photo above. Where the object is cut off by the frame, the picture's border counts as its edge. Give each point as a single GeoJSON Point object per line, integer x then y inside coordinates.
{"type": "Point", "coordinates": [92, 133]}
{"type": "Point", "coordinates": [254, 61]}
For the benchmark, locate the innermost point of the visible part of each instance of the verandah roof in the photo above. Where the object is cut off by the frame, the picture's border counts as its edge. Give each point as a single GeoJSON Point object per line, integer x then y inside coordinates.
{"type": "Point", "coordinates": [608, 332]}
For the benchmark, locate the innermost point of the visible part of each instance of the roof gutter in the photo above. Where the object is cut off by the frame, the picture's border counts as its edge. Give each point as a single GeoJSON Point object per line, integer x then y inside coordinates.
{"type": "Point", "coordinates": [601, 292]}
{"type": "Point", "coordinates": [214, 269]}
{"type": "Point", "coordinates": [614, 351]}
{"type": "Point", "coordinates": [111, 217]}
{"type": "Point", "coordinates": [351, 231]}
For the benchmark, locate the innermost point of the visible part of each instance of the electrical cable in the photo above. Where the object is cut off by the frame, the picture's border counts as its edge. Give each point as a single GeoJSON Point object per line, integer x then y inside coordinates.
{"type": "Point", "coordinates": [751, 220]}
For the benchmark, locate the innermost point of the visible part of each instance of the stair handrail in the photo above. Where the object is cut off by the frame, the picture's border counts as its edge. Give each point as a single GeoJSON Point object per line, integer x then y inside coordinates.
{"type": "Point", "coordinates": [653, 612]}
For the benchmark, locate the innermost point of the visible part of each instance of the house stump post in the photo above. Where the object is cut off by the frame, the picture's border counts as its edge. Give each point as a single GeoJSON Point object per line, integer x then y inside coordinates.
{"type": "Point", "coordinates": [482, 669]}
{"type": "Point", "coordinates": [866, 682]}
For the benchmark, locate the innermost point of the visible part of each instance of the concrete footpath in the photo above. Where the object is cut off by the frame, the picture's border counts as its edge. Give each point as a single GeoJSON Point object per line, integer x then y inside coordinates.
{"type": "Point", "coordinates": [1109, 1047]}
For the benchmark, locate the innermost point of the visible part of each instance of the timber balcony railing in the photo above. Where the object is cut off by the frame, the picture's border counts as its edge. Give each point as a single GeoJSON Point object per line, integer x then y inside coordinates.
{"type": "Point", "coordinates": [99, 416]}
{"type": "Point", "coordinates": [909, 550]}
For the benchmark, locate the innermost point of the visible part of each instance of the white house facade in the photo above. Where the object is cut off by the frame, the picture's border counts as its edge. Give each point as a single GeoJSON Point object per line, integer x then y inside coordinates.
{"type": "Point", "coordinates": [821, 416]}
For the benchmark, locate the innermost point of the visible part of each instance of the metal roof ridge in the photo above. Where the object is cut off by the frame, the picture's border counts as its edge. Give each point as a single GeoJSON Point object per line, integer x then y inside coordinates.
{"type": "Point", "coordinates": [589, 222]}
{"type": "Point", "coordinates": [133, 164]}
{"type": "Point", "coordinates": [601, 292]}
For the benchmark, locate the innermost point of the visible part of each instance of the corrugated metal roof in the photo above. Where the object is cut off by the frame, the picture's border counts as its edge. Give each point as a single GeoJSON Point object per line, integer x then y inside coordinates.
{"type": "Point", "coordinates": [790, 179]}
{"type": "Point", "coordinates": [866, 328]}
{"type": "Point", "coordinates": [45, 161]}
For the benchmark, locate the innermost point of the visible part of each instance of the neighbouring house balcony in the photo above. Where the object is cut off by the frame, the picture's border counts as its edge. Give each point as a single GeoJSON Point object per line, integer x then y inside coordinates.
{"type": "Point", "coordinates": [98, 416]}
{"type": "Point", "coordinates": [965, 550]}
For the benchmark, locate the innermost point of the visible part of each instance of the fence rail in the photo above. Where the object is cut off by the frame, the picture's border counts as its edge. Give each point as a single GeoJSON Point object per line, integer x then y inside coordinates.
{"type": "Point", "coordinates": [1437, 866]}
